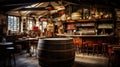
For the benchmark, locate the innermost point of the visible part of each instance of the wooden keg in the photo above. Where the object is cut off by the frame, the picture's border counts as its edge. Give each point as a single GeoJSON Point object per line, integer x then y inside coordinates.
{"type": "Point", "coordinates": [56, 52]}
{"type": "Point", "coordinates": [75, 16]}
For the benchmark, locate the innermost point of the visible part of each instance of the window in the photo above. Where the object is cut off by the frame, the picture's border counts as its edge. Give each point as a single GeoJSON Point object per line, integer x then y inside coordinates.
{"type": "Point", "coordinates": [29, 24]}
{"type": "Point", "coordinates": [43, 26]}
{"type": "Point", "coordinates": [13, 23]}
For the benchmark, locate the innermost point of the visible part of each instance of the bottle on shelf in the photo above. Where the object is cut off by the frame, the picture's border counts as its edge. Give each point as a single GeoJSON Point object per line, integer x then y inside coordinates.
{"type": "Point", "coordinates": [103, 31]}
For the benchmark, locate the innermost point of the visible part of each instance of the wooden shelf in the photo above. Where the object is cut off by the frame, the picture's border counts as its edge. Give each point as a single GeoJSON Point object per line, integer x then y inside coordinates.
{"type": "Point", "coordinates": [85, 26]}
{"type": "Point", "coordinates": [105, 28]}
{"type": "Point", "coordinates": [78, 21]}
{"type": "Point", "coordinates": [105, 19]}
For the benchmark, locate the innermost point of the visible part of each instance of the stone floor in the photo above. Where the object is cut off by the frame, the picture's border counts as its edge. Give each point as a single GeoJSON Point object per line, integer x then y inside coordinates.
{"type": "Point", "coordinates": [90, 61]}
{"type": "Point", "coordinates": [80, 61]}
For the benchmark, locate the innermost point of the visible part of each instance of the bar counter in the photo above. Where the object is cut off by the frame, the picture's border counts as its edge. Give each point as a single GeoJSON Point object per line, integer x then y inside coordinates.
{"type": "Point", "coordinates": [91, 39]}
{"type": "Point", "coordinates": [68, 35]}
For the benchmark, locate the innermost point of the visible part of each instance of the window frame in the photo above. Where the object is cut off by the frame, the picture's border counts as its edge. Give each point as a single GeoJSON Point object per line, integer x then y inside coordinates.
{"type": "Point", "coordinates": [13, 23]}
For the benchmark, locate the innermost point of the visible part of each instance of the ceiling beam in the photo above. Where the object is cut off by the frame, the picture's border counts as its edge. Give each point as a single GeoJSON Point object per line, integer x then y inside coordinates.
{"type": "Point", "coordinates": [17, 2]}
{"type": "Point", "coordinates": [32, 9]}
{"type": "Point", "coordinates": [7, 4]}
{"type": "Point", "coordinates": [12, 2]}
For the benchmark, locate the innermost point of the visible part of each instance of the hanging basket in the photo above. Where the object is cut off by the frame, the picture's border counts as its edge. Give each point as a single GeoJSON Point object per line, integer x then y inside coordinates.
{"type": "Point", "coordinates": [61, 12]}
{"type": "Point", "coordinates": [49, 8]}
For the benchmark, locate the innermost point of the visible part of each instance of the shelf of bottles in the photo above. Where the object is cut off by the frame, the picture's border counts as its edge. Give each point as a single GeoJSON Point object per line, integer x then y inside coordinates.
{"type": "Point", "coordinates": [90, 21]}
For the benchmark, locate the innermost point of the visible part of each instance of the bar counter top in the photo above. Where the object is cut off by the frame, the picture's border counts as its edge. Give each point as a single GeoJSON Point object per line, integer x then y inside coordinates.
{"type": "Point", "coordinates": [68, 35]}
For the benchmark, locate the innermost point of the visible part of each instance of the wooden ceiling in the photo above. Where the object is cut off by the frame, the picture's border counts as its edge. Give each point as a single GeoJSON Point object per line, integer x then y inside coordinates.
{"type": "Point", "coordinates": [7, 5]}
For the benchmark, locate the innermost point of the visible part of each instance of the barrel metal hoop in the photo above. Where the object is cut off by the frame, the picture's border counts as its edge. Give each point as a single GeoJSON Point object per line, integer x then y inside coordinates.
{"type": "Point", "coordinates": [60, 60]}
{"type": "Point", "coordinates": [58, 50]}
{"type": "Point", "coordinates": [58, 43]}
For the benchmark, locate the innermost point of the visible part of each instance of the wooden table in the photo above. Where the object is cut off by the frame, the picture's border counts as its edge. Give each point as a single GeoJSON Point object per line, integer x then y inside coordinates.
{"type": "Point", "coordinates": [30, 40]}
{"type": "Point", "coordinates": [28, 43]}
{"type": "Point", "coordinates": [6, 43]}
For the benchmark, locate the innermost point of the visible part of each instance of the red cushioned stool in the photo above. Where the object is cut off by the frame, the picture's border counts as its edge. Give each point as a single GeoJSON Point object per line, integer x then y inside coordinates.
{"type": "Point", "coordinates": [85, 47]}
{"type": "Point", "coordinates": [77, 42]}
{"type": "Point", "coordinates": [104, 49]}
{"type": "Point", "coordinates": [95, 48]}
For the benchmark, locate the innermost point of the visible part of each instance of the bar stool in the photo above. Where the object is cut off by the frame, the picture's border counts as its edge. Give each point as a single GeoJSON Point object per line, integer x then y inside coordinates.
{"type": "Point", "coordinates": [110, 56]}
{"type": "Point", "coordinates": [85, 47]}
{"type": "Point", "coordinates": [77, 42]}
{"type": "Point", "coordinates": [3, 56]}
{"type": "Point", "coordinates": [95, 48]}
{"type": "Point", "coordinates": [104, 49]}
{"type": "Point", "coordinates": [10, 56]}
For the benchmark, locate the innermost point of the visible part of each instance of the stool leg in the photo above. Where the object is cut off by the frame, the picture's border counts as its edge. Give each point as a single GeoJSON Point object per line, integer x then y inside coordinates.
{"type": "Point", "coordinates": [93, 50]}
{"type": "Point", "coordinates": [87, 50]}
{"type": "Point", "coordinates": [8, 60]}
{"type": "Point", "coordinates": [77, 48]}
{"type": "Point", "coordinates": [14, 60]}
{"type": "Point", "coordinates": [83, 49]}
{"type": "Point", "coordinates": [97, 50]}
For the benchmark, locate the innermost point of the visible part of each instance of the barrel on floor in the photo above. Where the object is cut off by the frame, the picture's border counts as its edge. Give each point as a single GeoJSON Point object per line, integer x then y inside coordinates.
{"type": "Point", "coordinates": [56, 52]}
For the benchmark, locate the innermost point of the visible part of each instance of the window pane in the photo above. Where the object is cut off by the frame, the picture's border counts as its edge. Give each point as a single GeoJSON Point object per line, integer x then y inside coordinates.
{"type": "Point", "coordinates": [29, 24]}
{"type": "Point", "coordinates": [13, 23]}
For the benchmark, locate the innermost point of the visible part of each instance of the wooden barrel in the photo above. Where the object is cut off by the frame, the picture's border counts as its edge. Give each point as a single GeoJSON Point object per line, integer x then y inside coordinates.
{"type": "Point", "coordinates": [56, 52]}
{"type": "Point", "coordinates": [75, 16]}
